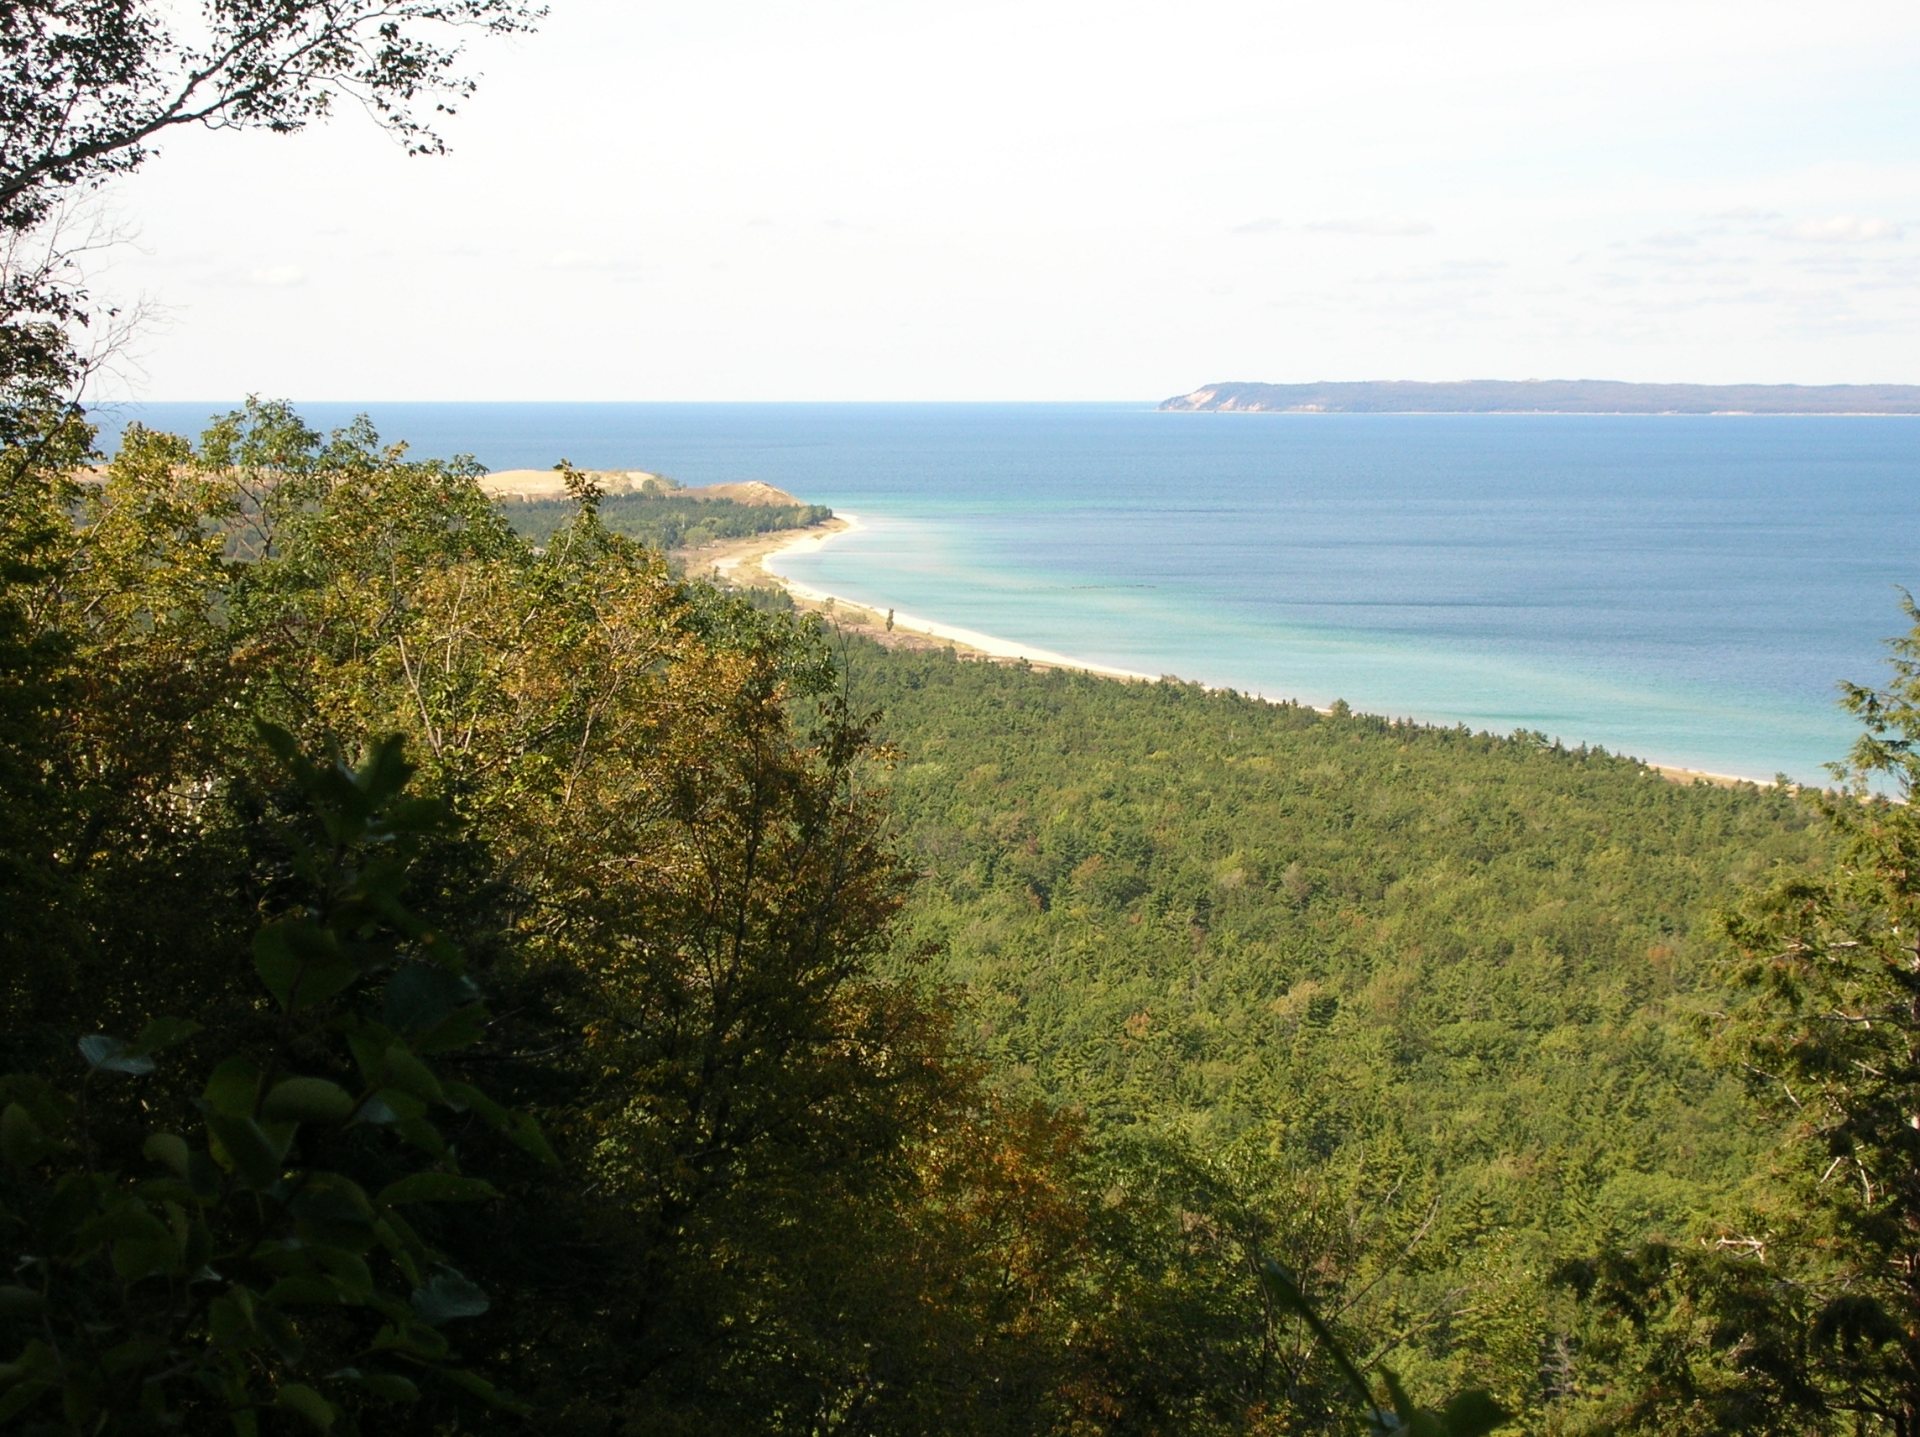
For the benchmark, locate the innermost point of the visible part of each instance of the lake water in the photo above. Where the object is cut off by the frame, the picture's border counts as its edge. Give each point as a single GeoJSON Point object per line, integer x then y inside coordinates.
{"type": "Point", "coordinates": [1688, 590]}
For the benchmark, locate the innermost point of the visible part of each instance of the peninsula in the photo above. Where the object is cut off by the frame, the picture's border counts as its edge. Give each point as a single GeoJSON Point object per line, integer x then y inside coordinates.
{"type": "Point", "coordinates": [1548, 396]}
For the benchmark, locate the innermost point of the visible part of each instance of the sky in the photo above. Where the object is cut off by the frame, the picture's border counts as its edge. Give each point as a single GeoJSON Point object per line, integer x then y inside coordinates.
{"type": "Point", "coordinates": [1056, 200]}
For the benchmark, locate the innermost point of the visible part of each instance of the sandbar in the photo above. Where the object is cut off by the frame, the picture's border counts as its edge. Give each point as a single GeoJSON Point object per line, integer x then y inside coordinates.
{"type": "Point", "coordinates": [756, 561]}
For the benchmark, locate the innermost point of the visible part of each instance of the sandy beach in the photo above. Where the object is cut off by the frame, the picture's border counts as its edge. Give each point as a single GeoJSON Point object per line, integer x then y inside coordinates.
{"type": "Point", "coordinates": [756, 562]}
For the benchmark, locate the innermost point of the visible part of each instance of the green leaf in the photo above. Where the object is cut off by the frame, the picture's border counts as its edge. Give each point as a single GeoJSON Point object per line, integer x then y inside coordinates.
{"type": "Point", "coordinates": [1473, 1414]}
{"type": "Point", "coordinates": [385, 1386]}
{"type": "Point", "coordinates": [204, 1175]}
{"type": "Point", "coordinates": [107, 1054]}
{"type": "Point", "coordinates": [461, 1028]}
{"type": "Point", "coordinates": [334, 1206]}
{"type": "Point", "coordinates": [464, 1097]}
{"type": "Point", "coordinates": [479, 1386]}
{"type": "Point", "coordinates": [76, 1201]}
{"type": "Point", "coordinates": [275, 961]}
{"type": "Point", "coordinates": [19, 1301]}
{"type": "Point", "coordinates": [436, 1187]}
{"type": "Point", "coordinates": [520, 1128]}
{"type": "Point", "coordinates": [21, 1141]}
{"type": "Point", "coordinates": [281, 744]}
{"type": "Point", "coordinates": [1402, 1404]}
{"type": "Point", "coordinates": [420, 996]}
{"type": "Point", "coordinates": [232, 1087]}
{"type": "Point", "coordinates": [172, 1191]}
{"type": "Point", "coordinates": [301, 962]}
{"type": "Point", "coordinates": [526, 1135]}
{"type": "Point", "coordinates": [230, 1318]}
{"type": "Point", "coordinates": [299, 1398]}
{"type": "Point", "coordinates": [384, 771]}
{"type": "Point", "coordinates": [424, 1136]}
{"type": "Point", "coordinates": [414, 1338]}
{"type": "Point", "coordinates": [247, 1149]}
{"type": "Point", "coordinates": [19, 1398]}
{"type": "Point", "coordinates": [408, 1073]}
{"type": "Point", "coordinates": [400, 1240]}
{"type": "Point", "coordinates": [308, 1100]}
{"type": "Point", "coordinates": [1280, 1284]}
{"type": "Point", "coordinates": [447, 1296]}
{"type": "Point", "coordinates": [280, 1333]}
{"type": "Point", "coordinates": [367, 1041]}
{"type": "Point", "coordinates": [391, 1387]}
{"type": "Point", "coordinates": [390, 1105]}
{"type": "Point", "coordinates": [124, 1217]}
{"type": "Point", "coordinates": [347, 1271]}
{"type": "Point", "coordinates": [135, 1258]}
{"type": "Point", "coordinates": [168, 1148]}
{"type": "Point", "coordinates": [133, 1354]}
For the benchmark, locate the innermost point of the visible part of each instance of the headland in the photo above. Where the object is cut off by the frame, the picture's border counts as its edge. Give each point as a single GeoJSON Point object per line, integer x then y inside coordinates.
{"type": "Point", "coordinates": [1548, 396]}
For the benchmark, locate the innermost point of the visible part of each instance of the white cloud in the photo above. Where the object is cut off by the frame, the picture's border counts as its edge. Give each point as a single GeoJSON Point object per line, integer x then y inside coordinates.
{"type": "Point", "coordinates": [1455, 271]}
{"type": "Point", "coordinates": [869, 201]}
{"type": "Point", "coordinates": [1374, 227]}
{"type": "Point", "coordinates": [1369, 226]}
{"type": "Point", "coordinates": [277, 276]}
{"type": "Point", "coordinates": [1840, 229]}
{"type": "Point", "coordinates": [575, 259]}
{"type": "Point", "coordinates": [588, 264]}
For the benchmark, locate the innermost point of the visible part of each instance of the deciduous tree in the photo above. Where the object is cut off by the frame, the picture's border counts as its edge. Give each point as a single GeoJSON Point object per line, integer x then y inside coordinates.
{"type": "Point", "coordinates": [1802, 1312]}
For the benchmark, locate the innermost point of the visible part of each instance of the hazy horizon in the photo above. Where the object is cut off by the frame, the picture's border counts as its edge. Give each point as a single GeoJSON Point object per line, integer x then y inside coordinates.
{"type": "Point", "coordinates": [121, 401]}
{"type": "Point", "coordinates": [1063, 202]}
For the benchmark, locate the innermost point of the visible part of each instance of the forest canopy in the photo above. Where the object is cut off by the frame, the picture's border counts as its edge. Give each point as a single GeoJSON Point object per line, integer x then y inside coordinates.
{"type": "Point", "coordinates": [455, 980]}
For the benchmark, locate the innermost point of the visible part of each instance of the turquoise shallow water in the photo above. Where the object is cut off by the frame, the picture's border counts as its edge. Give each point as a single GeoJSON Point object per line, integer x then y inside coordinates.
{"type": "Point", "coordinates": [1689, 590]}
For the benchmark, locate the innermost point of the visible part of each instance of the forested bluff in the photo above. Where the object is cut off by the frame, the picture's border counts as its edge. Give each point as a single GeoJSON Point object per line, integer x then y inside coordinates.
{"type": "Point", "coordinates": [1545, 396]}
{"type": "Point", "coordinates": [457, 982]}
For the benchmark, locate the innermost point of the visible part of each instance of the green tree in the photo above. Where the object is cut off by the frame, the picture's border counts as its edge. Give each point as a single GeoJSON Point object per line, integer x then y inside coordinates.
{"type": "Point", "coordinates": [195, 1256]}
{"type": "Point", "coordinates": [1831, 1034]}
{"type": "Point", "coordinates": [785, 1199]}
{"type": "Point", "coordinates": [1802, 1313]}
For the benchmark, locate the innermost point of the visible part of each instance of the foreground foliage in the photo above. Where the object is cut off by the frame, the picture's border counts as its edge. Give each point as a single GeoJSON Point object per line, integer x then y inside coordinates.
{"type": "Point", "coordinates": [267, 1254]}
{"type": "Point", "coordinates": [1046, 1055]}
{"type": "Point", "coordinates": [1800, 1309]}
{"type": "Point", "coordinates": [781, 1196]}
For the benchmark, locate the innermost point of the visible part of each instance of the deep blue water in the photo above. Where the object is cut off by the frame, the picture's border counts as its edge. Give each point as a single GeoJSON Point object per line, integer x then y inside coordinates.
{"type": "Point", "coordinates": [1689, 590]}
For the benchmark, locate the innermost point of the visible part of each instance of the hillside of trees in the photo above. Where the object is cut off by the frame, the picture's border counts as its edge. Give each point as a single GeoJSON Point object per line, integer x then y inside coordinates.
{"type": "Point", "coordinates": [462, 983]}
{"type": "Point", "coordinates": [1429, 1002]}
{"type": "Point", "coordinates": [665, 521]}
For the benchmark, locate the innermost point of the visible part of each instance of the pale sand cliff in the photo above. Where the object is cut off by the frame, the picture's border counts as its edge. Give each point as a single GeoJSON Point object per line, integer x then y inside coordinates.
{"type": "Point", "coordinates": [754, 561]}
{"type": "Point", "coordinates": [551, 484]}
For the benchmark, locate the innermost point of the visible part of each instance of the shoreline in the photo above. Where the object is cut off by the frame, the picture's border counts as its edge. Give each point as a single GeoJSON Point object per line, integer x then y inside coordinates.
{"type": "Point", "coordinates": [749, 562]}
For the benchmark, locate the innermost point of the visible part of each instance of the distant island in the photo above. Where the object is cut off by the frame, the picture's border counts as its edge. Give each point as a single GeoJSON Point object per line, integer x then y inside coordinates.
{"type": "Point", "coordinates": [1548, 396]}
